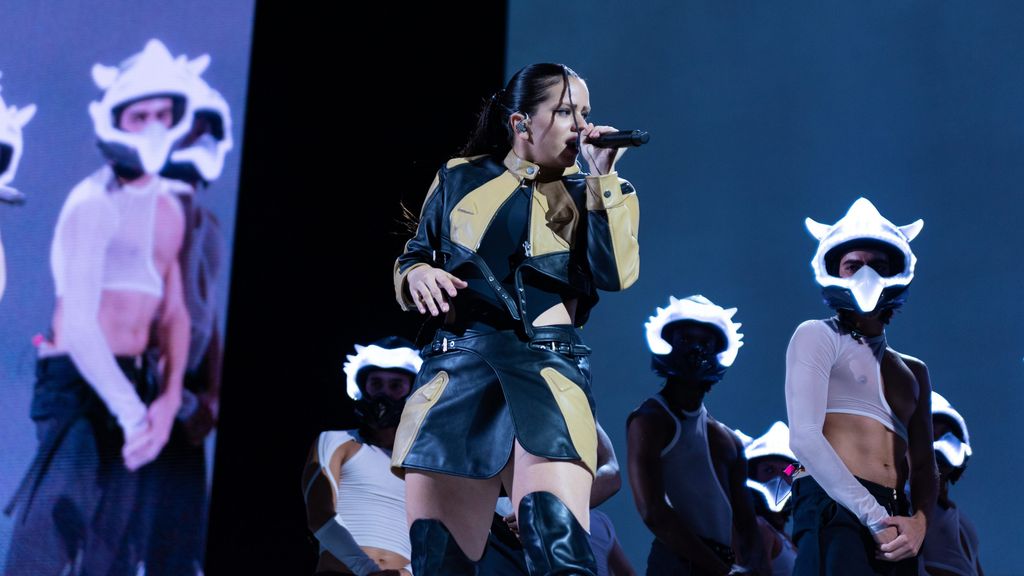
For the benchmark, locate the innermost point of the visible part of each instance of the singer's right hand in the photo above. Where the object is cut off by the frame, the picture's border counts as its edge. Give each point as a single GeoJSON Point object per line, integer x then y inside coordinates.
{"type": "Point", "coordinates": [600, 160]}
{"type": "Point", "coordinates": [431, 288]}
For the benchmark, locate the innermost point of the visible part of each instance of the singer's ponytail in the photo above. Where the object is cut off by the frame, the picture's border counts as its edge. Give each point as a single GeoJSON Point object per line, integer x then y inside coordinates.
{"type": "Point", "coordinates": [523, 93]}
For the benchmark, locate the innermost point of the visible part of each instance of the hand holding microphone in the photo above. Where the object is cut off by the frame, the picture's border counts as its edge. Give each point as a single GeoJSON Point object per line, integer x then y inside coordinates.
{"type": "Point", "coordinates": [604, 145]}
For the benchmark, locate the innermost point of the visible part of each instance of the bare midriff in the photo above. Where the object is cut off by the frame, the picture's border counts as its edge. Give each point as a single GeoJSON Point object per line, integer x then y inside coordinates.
{"type": "Point", "coordinates": [124, 317]}
{"type": "Point", "coordinates": [868, 448]}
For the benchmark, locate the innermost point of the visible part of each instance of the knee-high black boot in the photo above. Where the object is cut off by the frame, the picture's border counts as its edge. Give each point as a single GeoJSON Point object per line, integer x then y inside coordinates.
{"type": "Point", "coordinates": [555, 543]}
{"type": "Point", "coordinates": [435, 552]}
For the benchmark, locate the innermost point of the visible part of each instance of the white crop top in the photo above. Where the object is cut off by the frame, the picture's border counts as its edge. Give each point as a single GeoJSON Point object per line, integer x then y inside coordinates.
{"type": "Point", "coordinates": [105, 240]}
{"type": "Point", "coordinates": [123, 219]}
{"type": "Point", "coordinates": [831, 372]}
{"type": "Point", "coordinates": [370, 498]}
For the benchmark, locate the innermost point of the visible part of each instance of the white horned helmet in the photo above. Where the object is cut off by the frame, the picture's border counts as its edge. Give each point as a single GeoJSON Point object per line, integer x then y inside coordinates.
{"type": "Point", "coordinates": [12, 120]}
{"type": "Point", "coordinates": [152, 73]}
{"type": "Point", "coordinates": [955, 446]}
{"type": "Point", "coordinates": [863, 227]}
{"type": "Point", "coordinates": [707, 365]}
{"type": "Point", "coordinates": [391, 353]}
{"type": "Point", "coordinates": [199, 154]}
{"type": "Point", "coordinates": [773, 444]}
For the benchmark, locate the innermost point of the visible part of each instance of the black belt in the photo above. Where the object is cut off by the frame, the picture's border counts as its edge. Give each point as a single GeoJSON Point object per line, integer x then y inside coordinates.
{"type": "Point", "coordinates": [555, 340]}
{"type": "Point", "coordinates": [566, 348]}
{"type": "Point", "coordinates": [475, 312]}
{"type": "Point", "coordinates": [447, 342]}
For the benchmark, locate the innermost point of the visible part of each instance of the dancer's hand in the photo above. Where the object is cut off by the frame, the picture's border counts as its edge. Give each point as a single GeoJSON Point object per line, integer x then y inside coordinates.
{"type": "Point", "coordinates": [885, 536]}
{"type": "Point", "coordinates": [911, 531]}
{"type": "Point", "coordinates": [142, 448]}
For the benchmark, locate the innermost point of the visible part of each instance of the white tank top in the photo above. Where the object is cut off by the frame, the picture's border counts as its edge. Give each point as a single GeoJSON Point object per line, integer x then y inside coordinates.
{"type": "Point", "coordinates": [129, 215]}
{"type": "Point", "coordinates": [691, 484]}
{"type": "Point", "coordinates": [783, 564]}
{"type": "Point", "coordinates": [370, 499]}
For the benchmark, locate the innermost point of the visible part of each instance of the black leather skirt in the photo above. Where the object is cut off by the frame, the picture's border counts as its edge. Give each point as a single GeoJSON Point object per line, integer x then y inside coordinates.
{"type": "Point", "coordinates": [481, 388]}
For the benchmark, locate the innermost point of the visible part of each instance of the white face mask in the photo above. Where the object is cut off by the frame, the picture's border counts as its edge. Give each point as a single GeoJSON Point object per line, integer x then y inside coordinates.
{"type": "Point", "coordinates": [866, 286]}
{"type": "Point", "coordinates": [952, 449]}
{"type": "Point", "coordinates": [776, 492]}
{"type": "Point", "coordinates": [152, 146]}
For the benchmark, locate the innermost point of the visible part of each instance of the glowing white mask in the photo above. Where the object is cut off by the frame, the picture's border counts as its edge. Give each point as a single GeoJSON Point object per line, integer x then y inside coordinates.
{"type": "Point", "coordinates": [776, 492]}
{"type": "Point", "coordinates": [952, 449]}
{"type": "Point", "coordinates": [863, 222]}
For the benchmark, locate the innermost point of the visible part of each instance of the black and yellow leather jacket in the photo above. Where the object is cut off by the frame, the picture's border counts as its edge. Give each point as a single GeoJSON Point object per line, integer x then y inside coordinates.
{"type": "Point", "coordinates": [582, 230]}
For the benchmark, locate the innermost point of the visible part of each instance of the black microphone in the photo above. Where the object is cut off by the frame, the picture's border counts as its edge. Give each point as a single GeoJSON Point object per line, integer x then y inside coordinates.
{"type": "Point", "coordinates": [620, 139]}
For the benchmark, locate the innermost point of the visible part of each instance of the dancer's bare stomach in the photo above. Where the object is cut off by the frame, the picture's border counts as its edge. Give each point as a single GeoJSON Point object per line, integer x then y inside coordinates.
{"type": "Point", "coordinates": [869, 449]}
{"type": "Point", "coordinates": [125, 319]}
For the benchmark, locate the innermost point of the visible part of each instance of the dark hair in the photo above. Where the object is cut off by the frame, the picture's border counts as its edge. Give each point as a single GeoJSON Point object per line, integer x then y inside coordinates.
{"type": "Point", "coordinates": [523, 93]}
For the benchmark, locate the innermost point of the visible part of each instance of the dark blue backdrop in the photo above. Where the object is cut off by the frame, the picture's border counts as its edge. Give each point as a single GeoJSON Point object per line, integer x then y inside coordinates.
{"type": "Point", "coordinates": [762, 113]}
